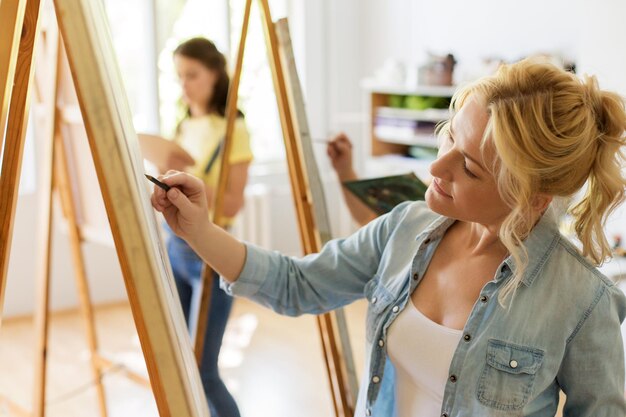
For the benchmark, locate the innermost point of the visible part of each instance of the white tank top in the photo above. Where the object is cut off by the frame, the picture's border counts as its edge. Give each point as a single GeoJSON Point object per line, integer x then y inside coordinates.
{"type": "Point", "coordinates": [421, 352]}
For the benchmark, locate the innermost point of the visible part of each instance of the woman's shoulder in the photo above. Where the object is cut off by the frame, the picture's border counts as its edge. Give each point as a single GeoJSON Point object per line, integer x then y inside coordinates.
{"type": "Point", "coordinates": [415, 213]}
{"type": "Point", "coordinates": [569, 253]}
{"type": "Point", "coordinates": [580, 280]}
{"type": "Point", "coordinates": [415, 209]}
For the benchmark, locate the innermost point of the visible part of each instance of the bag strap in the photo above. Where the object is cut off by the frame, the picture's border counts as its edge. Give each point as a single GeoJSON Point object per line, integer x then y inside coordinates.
{"type": "Point", "coordinates": [216, 153]}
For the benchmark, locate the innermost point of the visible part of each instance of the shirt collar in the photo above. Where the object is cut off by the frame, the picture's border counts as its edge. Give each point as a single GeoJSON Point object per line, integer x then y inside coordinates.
{"type": "Point", "coordinates": [436, 229]}
{"type": "Point", "coordinates": [539, 243]}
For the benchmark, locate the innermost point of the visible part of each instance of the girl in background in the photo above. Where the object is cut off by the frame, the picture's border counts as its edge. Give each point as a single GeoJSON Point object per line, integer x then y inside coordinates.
{"type": "Point", "coordinates": [201, 69]}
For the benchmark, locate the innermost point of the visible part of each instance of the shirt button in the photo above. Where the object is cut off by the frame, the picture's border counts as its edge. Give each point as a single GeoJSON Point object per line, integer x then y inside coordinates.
{"type": "Point", "coordinates": [375, 379]}
{"type": "Point", "coordinates": [444, 415]}
{"type": "Point", "coordinates": [368, 412]}
{"type": "Point", "coordinates": [427, 241]}
{"type": "Point", "coordinates": [381, 343]}
{"type": "Point", "coordinates": [452, 378]}
{"type": "Point", "coordinates": [374, 299]}
{"type": "Point", "coordinates": [467, 337]}
{"type": "Point", "coordinates": [483, 298]}
{"type": "Point", "coordinates": [395, 309]}
{"type": "Point", "coordinates": [513, 364]}
{"type": "Point", "coordinates": [416, 276]}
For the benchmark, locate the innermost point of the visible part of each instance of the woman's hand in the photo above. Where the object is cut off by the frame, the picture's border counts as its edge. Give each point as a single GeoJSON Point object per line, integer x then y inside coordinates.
{"type": "Point", "coordinates": [339, 151]}
{"type": "Point", "coordinates": [184, 206]}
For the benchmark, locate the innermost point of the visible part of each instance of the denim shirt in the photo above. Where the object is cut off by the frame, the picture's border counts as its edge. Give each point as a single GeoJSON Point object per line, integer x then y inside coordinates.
{"type": "Point", "coordinates": [562, 331]}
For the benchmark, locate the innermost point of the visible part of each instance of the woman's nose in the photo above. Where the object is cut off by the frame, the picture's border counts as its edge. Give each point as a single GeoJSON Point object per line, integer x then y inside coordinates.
{"type": "Point", "coordinates": [440, 167]}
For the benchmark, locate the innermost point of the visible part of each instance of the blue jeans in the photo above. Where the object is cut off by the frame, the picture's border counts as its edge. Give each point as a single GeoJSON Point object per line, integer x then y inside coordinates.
{"type": "Point", "coordinates": [187, 268]}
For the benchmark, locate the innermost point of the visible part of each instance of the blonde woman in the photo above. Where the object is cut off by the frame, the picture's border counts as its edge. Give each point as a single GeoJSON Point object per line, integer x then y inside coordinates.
{"type": "Point", "coordinates": [477, 305]}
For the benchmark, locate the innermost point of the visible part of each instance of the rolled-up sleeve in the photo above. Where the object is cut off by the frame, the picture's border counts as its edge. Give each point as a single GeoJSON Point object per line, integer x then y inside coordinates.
{"type": "Point", "coordinates": [320, 282]}
{"type": "Point", "coordinates": [592, 373]}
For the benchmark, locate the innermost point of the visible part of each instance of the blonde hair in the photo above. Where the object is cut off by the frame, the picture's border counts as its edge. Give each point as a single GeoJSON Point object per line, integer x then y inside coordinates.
{"type": "Point", "coordinates": [553, 133]}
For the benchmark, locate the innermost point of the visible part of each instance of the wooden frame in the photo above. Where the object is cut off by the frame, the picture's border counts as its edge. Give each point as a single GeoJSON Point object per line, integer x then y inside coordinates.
{"type": "Point", "coordinates": [162, 332]}
{"type": "Point", "coordinates": [307, 193]}
{"type": "Point", "coordinates": [16, 55]}
{"type": "Point", "coordinates": [147, 274]}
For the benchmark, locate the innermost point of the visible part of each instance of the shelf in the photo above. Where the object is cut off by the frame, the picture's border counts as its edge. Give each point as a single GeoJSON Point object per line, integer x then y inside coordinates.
{"type": "Point", "coordinates": [397, 165]}
{"type": "Point", "coordinates": [428, 115]}
{"type": "Point", "coordinates": [421, 90]}
{"type": "Point", "coordinates": [404, 136]}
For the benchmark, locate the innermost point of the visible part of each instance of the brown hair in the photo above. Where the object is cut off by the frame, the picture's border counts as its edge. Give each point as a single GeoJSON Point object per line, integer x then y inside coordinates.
{"type": "Point", "coordinates": [205, 51]}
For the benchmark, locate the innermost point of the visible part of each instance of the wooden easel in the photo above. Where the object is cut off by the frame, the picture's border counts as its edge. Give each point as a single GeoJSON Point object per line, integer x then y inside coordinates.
{"type": "Point", "coordinates": [55, 174]}
{"type": "Point", "coordinates": [307, 193]}
{"type": "Point", "coordinates": [162, 332]}
{"type": "Point", "coordinates": [60, 115]}
{"type": "Point", "coordinates": [59, 119]}
{"type": "Point", "coordinates": [311, 237]}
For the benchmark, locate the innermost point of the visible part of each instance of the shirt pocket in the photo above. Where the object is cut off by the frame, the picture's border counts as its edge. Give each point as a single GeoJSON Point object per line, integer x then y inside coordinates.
{"type": "Point", "coordinates": [378, 300]}
{"type": "Point", "coordinates": [509, 374]}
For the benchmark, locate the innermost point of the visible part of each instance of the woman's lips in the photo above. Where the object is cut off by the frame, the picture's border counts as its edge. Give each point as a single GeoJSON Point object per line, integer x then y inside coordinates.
{"type": "Point", "coordinates": [440, 190]}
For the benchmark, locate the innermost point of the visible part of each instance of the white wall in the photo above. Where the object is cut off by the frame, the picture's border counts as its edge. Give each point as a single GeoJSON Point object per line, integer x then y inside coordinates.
{"type": "Point", "coordinates": [103, 271]}
{"type": "Point", "coordinates": [407, 29]}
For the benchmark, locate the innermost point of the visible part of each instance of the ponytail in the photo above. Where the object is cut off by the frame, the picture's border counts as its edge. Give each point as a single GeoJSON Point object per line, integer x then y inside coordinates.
{"type": "Point", "coordinates": [606, 184]}
{"type": "Point", "coordinates": [554, 135]}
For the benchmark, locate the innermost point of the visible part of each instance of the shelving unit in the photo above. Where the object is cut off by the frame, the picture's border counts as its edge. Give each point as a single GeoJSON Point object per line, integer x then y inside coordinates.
{"type": "Point", "coordinates": [411, 127]}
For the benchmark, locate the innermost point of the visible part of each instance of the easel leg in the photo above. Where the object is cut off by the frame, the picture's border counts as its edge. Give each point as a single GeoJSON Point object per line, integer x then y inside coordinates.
{"type": "Point", "coordinates": [218, 217]}
{"type": "Point", "coordinates": [203, 311]}
{"type": "Point", "coordinates": [310, 239]}
{"type": "Point", "coordinates": [11, 21]}
{"type": "Point", "coordinates": [43, 283]}
{"type": "Point", "coordinates": [15, 132]}
{"type": "Point", "coordinates": [46, 184]}
{"type": "Point", "coordinates": [52, 167]}
{"type": "Point", "coordinates": [65, 192]}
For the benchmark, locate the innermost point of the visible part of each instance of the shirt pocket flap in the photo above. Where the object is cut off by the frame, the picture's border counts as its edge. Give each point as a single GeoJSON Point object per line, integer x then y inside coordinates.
{"type": "Point", "coordinates": [377, 296]}
{"type": "Point", "coordinates": [514, 359]}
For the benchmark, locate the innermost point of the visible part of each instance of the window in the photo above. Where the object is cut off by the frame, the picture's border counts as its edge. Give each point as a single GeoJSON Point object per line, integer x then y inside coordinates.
{"type": "Point", "coordinates": [256, 90]}
{"type": "Point", "coordinates": [133, 36]}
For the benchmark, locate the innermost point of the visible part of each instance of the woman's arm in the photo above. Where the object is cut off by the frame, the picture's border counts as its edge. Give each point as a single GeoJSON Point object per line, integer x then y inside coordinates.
{"type": "Point", "coordinates": [592, 371]}
{"type": "Point", "coordinates": [313, 284]}
{"type": "Point", "coordinates": [165, 154]}
{"type": "Point", "coordinates": [361, 213]}
{"type": "Point", "coordinates": [339, 151]}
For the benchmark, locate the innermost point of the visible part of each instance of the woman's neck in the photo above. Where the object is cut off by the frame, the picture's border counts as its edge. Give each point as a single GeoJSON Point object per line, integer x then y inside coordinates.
{"type": "Point", "coordinates": [198, 110]}
{"type": "Point", "coordinates": [479, 239]}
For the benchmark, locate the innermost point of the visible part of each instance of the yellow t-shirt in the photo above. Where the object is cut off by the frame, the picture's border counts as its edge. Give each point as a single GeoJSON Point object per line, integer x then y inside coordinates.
{"type": "Point", "coordinates": [200, 136]}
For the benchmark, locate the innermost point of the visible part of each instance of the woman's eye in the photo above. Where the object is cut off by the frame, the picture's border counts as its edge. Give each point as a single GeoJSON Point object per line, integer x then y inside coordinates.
{"type": "Point", "coordinates": [467, 171]}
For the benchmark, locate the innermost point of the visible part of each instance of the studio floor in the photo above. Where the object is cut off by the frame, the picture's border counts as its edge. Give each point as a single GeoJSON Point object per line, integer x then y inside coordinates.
{"type": "Point", "coordinates": [272, 364]}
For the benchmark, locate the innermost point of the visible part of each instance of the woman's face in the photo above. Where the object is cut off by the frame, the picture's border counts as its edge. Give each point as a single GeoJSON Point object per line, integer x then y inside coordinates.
{"type": "Point", "coordinates": [196, 80]}
{"type": "Point", "coordinates": [462, 186]}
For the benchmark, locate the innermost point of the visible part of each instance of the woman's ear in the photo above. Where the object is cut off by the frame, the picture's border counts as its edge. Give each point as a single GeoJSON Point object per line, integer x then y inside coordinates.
{"type": "Point", "coordinates": [541, 202]}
